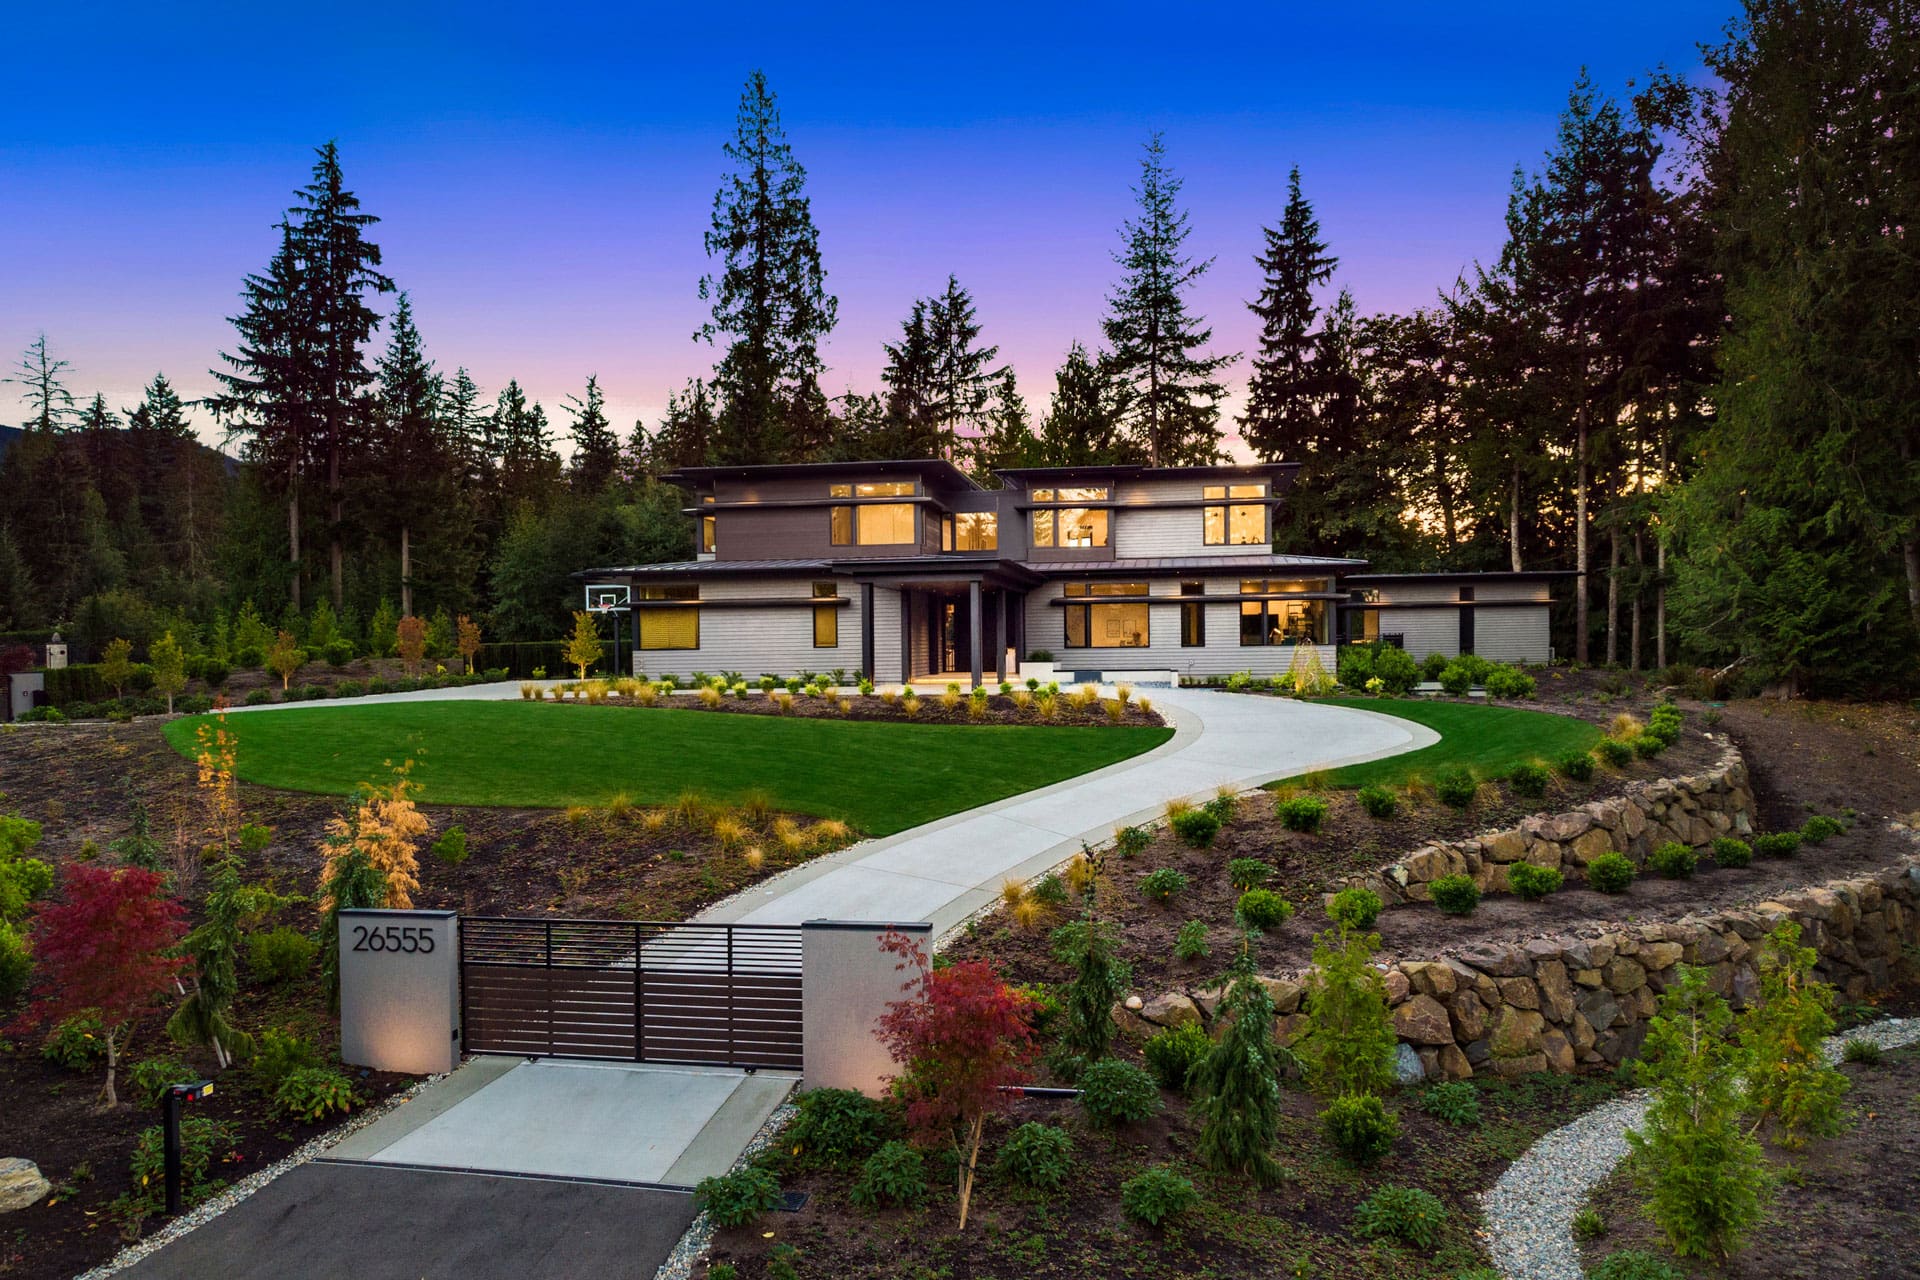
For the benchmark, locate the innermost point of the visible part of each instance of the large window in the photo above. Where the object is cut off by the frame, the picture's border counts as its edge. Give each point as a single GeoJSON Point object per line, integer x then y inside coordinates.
{"type": "Point", "coordinates": [879, 524]}
{"type": "Point", "coordinates": [706, 535]}
{"type": "Point", "coordinates": [1265, 622]}
{"type": "Point", "coordinates": [970, 531]}
{"type": "Point", "coordinates": [826, 617]}
{"type": "Point", "coordinates": [1113, 625]}
{"type": "Point", "coordinates": [1238, 524]}
{"type": "Point", "coordinates": [1071, 526]}
{"type": "Point", "coordinates": [1193, 616]}
{"type": "Point", "coordinates": [669, 628]}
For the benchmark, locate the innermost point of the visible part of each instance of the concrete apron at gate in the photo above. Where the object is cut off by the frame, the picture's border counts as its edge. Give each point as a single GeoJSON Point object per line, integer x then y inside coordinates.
{"type": "Point", "coordinates": [628, 1123]}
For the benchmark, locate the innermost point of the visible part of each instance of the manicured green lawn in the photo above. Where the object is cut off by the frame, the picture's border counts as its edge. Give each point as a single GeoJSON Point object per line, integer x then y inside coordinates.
{"type": "Point", "coordinates": [881, 777]}
{"type": "Point", "coordinates": [1490, 740]}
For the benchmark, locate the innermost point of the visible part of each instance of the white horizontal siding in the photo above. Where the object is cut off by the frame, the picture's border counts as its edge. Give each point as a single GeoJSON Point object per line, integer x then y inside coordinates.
{"type": "Point", "coordinates": [1512, 634]}
{"type": "Point", "coordinates": [1222, 655]}
{"type": "Point", "coordinates": [777, 640]}
{"type": "Point", "coordinates": [1425, 630]}
{"type": "Point", "coordinates": [1177, 532]}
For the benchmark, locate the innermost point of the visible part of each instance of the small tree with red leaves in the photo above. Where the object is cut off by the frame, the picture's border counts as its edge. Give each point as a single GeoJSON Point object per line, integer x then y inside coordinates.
{"type": "Point", "coordinates": [965, 1042]}
{"type": "Point", "coordinates": [108, 945]}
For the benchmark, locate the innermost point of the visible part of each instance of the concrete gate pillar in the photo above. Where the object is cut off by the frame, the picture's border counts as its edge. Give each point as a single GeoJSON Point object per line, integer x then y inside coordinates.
{"type": "Point", "coordinates": [846, 983]}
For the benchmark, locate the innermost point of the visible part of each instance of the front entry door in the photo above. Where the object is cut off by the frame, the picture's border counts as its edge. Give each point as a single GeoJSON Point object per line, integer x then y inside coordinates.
{"type": "Point", "coordinates": [952, 647]}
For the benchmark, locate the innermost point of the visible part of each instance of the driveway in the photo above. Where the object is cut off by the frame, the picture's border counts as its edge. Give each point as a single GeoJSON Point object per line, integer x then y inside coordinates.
{"type": "Point", "coordinates": [944, 871]}
{"type": "Point", "coordinates": [506, 1168]}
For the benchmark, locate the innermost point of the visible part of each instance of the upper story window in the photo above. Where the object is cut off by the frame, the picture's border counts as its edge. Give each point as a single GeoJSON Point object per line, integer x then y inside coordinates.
{"type": "Point", "coordinates": [1070, 527]}
{"type": "Point", "coordinates": [970, 531]}
{"type": "Point", "coordinates": [1096, 493]}
{"type": "Point", "coordinates": [707, 535]}
{"type": "Point", "coordinates": [872, 524]}
{"type": "Point", "coordinates": [1235, 524]}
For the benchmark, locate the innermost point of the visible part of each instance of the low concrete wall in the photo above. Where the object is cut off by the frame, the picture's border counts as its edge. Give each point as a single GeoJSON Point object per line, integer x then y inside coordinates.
{"type": "Point", "coordinates": [1566, 1003]}
{"type": "Point", "coordinates": [1695, 810]}
{"type": "Point", "coordinates": [846, 983]}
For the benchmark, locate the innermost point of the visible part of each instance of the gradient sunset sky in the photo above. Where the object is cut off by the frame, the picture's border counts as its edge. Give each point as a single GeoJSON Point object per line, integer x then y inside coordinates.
{"type": "Point", "coordinates": [544, 173]}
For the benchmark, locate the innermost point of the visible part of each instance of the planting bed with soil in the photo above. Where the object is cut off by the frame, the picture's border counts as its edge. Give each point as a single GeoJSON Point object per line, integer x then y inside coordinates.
{"type": "Point", "coordinates": [932, 708]}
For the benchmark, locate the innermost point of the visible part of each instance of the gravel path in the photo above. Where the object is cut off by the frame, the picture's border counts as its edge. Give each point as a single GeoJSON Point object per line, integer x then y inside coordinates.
{"type": "Point", "coordinates": [1529, 1212]}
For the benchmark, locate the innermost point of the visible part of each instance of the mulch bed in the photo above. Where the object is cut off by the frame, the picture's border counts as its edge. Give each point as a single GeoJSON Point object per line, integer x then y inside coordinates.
{"type": "Point", "coordinates": [933, 709]}
{"type": "Point", "coordinates": [1304, 1226]}
{"type": "Point", "coordinates": [1306, 866]}
{"type": "Point", "coordinates": [1843, 1206]}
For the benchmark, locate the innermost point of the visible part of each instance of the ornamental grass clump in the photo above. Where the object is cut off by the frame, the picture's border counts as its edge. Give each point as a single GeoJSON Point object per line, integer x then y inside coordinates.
{"type": "Point", "coordinates": [1702, 1171]}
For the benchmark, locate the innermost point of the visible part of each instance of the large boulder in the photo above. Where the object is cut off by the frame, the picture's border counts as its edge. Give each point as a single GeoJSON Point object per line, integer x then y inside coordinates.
{"type": "Point", "coordinates": [1423, 1020]}
{"type": "Point", "coordinates": [1170, 1010]}
{"type": "Point", "coordinates": [21, 1184]}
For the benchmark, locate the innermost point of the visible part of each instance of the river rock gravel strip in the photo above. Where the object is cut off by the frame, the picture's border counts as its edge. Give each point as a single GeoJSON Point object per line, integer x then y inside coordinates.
{"type": "Point", "coordinates": [1529, 1212]}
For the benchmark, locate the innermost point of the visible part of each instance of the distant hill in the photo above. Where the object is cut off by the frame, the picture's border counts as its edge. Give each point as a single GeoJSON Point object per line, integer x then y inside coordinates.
{"type": "Point", "coordinates": [9, 434]}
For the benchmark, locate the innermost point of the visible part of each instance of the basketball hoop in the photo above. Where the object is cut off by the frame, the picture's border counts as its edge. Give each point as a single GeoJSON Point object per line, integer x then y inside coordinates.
{"type": "Point", "coordinates": [608, 598]}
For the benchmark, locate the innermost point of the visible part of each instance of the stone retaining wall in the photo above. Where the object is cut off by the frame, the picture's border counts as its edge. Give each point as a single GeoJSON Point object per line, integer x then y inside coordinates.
{"type": "Point", "coordinates": [1567, 1003]}
{"type": "Point", "coordinates": [1695, 810]}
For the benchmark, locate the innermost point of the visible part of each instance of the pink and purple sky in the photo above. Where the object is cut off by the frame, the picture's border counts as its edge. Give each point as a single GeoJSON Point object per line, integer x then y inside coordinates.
{"type": "Point", "coordinates": [544, 173]}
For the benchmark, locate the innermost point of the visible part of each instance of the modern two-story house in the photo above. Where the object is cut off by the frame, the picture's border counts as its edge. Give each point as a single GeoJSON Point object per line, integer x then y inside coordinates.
{"type": "Point", "coordinates": [908, 569]}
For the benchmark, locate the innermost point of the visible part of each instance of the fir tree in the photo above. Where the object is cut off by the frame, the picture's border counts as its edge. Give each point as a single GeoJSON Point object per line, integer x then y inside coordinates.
{"type": "Point", "coordinates": [1237, 1085]}
{"type": "Point", "coordinates": [1009, 440]}
{"type": "Point", "coordinates": [596, 450]}
{"type": "Point", "coordinates": [770, 296]}
{"type": "Point", "coordinates": [412, 455]}
{"type": "Point", "coordinates": [1086, 419]}
{"type": "Point", "coordinates": [1280, 421]}
{"type": "Point", "coordinates": [915, 409]}
{"type": "Point", "coordinates": [1157, 345]}
{"type": "Point", "coordinates": [49, 403]}
{"type": "Point", "coordinates": [962, 378]}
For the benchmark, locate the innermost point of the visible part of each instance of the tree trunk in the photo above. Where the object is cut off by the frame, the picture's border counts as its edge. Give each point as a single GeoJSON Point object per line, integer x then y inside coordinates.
{"type": "Point", "coordinates": [1910, 551]}
{"type": "Point", "coordinates": [1613, 595]}
{"type": "Point", "coordinates": [108, 1096]}
{"type": "Point", "coordinates": [1513, 518]}
{"type": "Point", "coordinates": [293, 541]}
{"type": "Point", "coordinates": [1580, 540]}
{"type": "Point", "coordinates": [406, 572]}
{"type": "Point", "coordinates": [966, 1170]}
{"type": "Point", "coordinates": [1639, 593]}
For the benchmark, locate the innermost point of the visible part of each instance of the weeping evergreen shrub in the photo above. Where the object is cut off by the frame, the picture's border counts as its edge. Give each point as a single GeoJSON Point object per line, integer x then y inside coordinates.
{"type": "Point", "coordinates": [1237, 1085]}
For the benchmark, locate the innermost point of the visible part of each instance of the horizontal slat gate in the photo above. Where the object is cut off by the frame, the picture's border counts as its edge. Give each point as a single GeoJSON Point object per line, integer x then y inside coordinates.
{"type": "Point", "coordinates": [707, 994]}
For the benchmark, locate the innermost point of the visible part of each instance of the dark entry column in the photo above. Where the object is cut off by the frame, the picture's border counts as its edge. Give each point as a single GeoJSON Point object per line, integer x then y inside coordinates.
{"type": "Point", "coordinates": [1002, 601]}
{"type": "Point", "coordinates": [906, 635]}
{"type": "Point", "coordinates": [974, 629]}
{"type": "Point", "coordinates": [866, 631]}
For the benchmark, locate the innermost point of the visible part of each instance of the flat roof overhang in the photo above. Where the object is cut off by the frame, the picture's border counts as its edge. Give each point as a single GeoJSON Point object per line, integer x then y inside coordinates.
{"type": "Point", "coordinates": [947, 475]}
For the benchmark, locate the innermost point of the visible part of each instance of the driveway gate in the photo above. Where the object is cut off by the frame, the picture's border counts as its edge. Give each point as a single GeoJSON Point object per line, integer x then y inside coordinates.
{"type": "Point", "coordinates": [708, 994]}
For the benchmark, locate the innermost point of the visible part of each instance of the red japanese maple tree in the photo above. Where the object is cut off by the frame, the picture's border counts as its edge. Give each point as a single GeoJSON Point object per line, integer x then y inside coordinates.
{"type": "Point", "coordinates": [965, 1041]}
{"type": "Point", "coordinates": [107, 944]}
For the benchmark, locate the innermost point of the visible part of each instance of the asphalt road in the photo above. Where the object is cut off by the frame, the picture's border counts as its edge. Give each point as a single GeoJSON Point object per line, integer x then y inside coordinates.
{"type": "Point", "coordinates": [367, 1222]}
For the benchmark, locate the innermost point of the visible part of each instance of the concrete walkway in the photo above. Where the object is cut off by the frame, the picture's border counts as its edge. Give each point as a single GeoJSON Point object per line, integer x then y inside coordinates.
{"type": "Point", "coordinates": [944, 871]}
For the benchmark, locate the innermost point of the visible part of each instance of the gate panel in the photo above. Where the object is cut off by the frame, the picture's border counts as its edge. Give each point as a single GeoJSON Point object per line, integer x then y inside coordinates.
{"type": "Point", "coordinates": [725, 995]}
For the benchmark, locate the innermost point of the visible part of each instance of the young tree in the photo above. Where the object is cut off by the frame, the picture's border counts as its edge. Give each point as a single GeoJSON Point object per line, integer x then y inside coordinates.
{"type": "Point", "coordinates": [1238, 1084]}
{"type": "Point", "coordinates": [1347, 1041]}
{"type": "Point", "coordinates": [469, 642]}
{"type": "Point", "coordinates": [116, 665]}
{"type": "Point", "coordinates": [386, 827]}
{"type": "Point", "coordinates": [285, 658]}
{"type": "Point", "coordinates": [229, 910]}
{"type": "Point", "coordinates": [1703, 1173]}
{"type": "Point", "coordinates": [383, 630]}
{"type": "Point", "coordinates": [596, 450]}
{"type": "Point", "coordinates": [1279, 421]}
{"type": "Point", "coordinates": [583, 649]}
{"type": "Point", "coordinates": [770, 296]}
{"type": "Point", "coordinates": [964, 1043]}
{"type": "Point", "coordinates": [410, 640]}
{"type": "Point", "coordinates": [107, 944]}
{"type": "Point", "coordinates": [1174, 411]}
{"type": "Point", "coordinates": [169, 668]}
{"type": "Point", "coordinates": [1789, 1080]}
{"type": "Point", "coordinates": [1090, 947]}
{"type": "Point", "coordinates": [218, 781]}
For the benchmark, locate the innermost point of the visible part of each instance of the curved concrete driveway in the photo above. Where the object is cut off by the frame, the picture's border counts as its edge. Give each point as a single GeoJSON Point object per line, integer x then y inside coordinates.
{"type": "Point", "coordinates": [944, 871]}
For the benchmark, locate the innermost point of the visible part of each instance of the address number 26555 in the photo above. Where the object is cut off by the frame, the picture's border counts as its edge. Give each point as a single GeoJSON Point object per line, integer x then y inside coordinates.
{"type": "Point", "coordinates": [406, 938]}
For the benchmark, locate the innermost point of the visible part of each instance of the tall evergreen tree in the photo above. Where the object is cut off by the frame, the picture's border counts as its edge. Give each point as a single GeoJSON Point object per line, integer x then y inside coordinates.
{"type": "Point", "coordinates": [469, 430]}
{"type": "Point", "coordinates": [962, 374]}
{"type": "Point", "coordinates": [596, 450]}
{"type": "Point", "coordinates": [915, 405]}
{"type": "Point", "coordinates": [410, 449]}
{"type": "Point", "coordinates": [684, 437]}
{"type": "Point", "coordinates": [1086, 419]}
{"type": "Point", "coordinates": [769, 297]}
{"type": "Point", "coordinates": [49, 403]}
{"type": "Point", "coordinates": [1279, 421]}
{"type": "Point", "coordinates": [528, 465]}
{"type": "Point", "coordinates": [1157, 345]}
{"type": "Point", "coordinates": [1009, 440]}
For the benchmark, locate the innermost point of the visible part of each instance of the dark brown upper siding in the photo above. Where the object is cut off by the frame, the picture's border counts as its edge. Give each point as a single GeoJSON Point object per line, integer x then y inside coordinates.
{"type": "Point", "coordinates": [802, 533]}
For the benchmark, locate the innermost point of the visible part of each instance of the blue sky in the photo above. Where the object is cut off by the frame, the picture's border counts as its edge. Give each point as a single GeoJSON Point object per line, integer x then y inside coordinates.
{"type": "Point", "coordinates": [544, 173]}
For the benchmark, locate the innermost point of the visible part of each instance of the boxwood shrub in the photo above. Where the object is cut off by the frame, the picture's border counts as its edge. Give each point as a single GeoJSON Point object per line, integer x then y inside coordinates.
{"type": "Point", "coordinates": [1173, 1053]}
{"type": "Point", "coordinates": [1356, 907]}
{"type": "Point", "coordinates": [1819, 829]}
{"type": "Point", "coordinates": [1302, 813]}
{"type": "Point", "coordinates": [1531, 883]}
{"type": "Point", "coordinates": [1360, 1127]}
{"type": "Point", "coordinates": [1113, 1093]}
{"type": "Point", "coordinates": [1673, 860]}
{"type": "Point", "coordinates": [1455, 786]}
{"type": "Point", "coordinates": [1611, 872]}
{"type": "Point", "coordinates": [1529, 780]}
{"type": "Point", "coordinates": [1615, 752]}
{"type": "Point", "coordinates": [1378, 801]}
{"type": "Point", "coordinates": [1263, 909]}
{"type": "Point", "coordinates": [1777, 844]}
{"type": "Point", "coordinates": [1456, 895]}
{"type": "Point", "coordinates": [1577, 766]}
{"type": "Point", "coordinates": [1196, 827]}
{"type": "Point", "coordinates": [1731, 852]}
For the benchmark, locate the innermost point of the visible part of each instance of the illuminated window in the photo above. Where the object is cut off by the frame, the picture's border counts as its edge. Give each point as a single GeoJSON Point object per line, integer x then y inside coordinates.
{"type": "Point", "coordinates": [877, 525]}
{"type": "Point", "coordinates": [971, 531]}
{"type": "Point", "coordinates": [1070, 527]}
{"type": "Point", "coordinates": [826, 618]}
{"type": "Point", "coordinates": [707, 534]}
{"type": "Point", "coordinates": [885, 489]}
{"type": "Point", "coordinates": [1271, 622]}
{"type": "Point", "coordinates": [669, 628]}
{"type": "Point", "coordinates": [1236, 525]}
{"type": "Point", "coordinates": [1113, 625]}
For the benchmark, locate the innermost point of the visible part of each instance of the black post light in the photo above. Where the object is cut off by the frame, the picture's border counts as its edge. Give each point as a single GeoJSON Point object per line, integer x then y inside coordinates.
{"type": "Point", "coordinates": [170, 1125]}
